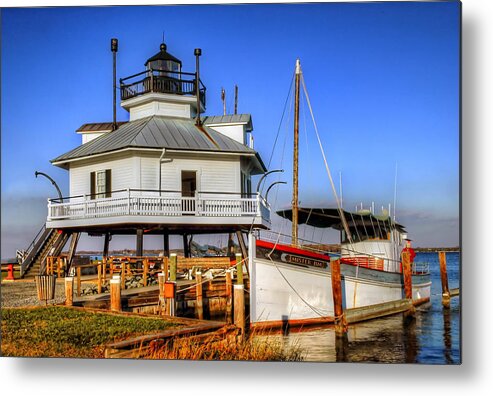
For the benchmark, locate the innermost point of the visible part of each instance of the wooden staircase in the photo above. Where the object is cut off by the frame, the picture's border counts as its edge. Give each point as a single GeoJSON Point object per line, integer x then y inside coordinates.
{"type": "Point", "coordinates": [48, 242]}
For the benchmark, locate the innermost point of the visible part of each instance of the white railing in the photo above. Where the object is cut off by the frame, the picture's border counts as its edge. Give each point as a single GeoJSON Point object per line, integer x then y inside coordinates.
{"type": "Point", "coordinates": [419, 267]}
{"type": "Point", "coordinates": [151, 203]}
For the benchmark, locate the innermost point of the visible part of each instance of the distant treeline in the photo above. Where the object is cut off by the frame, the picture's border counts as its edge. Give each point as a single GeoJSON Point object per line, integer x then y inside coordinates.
{"type": "Point", "coordinates": [437, 249]}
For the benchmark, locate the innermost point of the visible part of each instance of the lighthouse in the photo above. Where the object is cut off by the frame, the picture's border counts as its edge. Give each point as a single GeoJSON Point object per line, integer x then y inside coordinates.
{"type": "Point", "coordinates": [169, 170]}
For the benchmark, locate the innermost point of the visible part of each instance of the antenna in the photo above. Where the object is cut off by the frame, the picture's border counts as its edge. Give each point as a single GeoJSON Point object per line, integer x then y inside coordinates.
{"type": "Point", "coordinates": [236, 99]}
{"type": "Point", "coordinates": [114, 49]}
{"type": "Point", "coordinates": [197, 53]}
{"type": "Point", "coordinates": [395, 189]}
{"type": "Point", "coordinates": [223, 98]}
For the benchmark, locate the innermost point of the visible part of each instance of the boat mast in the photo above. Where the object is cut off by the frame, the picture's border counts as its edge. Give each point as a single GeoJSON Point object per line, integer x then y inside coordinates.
{"type": "Point", "coordinates": [295, 153]}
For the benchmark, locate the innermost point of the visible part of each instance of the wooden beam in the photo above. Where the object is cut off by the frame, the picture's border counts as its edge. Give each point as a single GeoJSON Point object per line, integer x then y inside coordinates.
{"type": "Point", "coordinates": [73, 248]}
{"type": "Point", "coordinates": [241, 242]}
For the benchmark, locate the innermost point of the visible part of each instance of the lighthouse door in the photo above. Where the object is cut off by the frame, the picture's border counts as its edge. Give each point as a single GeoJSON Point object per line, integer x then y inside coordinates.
{"type": "Point", "coordinates": [188, 190]}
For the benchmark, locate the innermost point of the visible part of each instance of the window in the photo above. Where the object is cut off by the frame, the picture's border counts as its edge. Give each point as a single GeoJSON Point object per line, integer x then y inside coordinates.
{"type": "Point", "coordinates": [101, 184]}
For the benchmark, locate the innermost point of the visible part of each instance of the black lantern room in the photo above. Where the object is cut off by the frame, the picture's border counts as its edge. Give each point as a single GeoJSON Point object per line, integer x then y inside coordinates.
{"type": "Point", "coordinates": [164, 64]}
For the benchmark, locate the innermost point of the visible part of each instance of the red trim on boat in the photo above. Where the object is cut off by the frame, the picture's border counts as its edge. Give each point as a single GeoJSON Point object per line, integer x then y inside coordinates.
{"type": "Point", "coordinates": [292, 250]}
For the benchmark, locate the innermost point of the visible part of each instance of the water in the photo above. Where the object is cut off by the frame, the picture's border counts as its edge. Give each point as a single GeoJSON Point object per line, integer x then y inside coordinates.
{"type": "Point", "coordinates": [432, 338]}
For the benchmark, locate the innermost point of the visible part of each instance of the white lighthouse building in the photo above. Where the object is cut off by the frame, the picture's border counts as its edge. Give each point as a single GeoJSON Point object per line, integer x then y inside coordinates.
{"type": "Point", "coordinates": [169, 170]}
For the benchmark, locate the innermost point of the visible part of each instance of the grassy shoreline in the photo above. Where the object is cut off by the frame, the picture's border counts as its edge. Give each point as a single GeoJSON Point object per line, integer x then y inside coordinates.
{"type": "Point", "coordinates": [58, 331]}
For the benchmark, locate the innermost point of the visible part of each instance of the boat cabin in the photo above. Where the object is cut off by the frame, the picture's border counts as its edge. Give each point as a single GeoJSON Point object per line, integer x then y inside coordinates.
{"type": "Point", "coordinates": [374, 241]}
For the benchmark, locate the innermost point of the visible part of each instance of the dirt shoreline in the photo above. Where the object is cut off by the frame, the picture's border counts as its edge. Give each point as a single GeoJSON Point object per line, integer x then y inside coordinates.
{"type": "Point", "coordinates": [22, 293]}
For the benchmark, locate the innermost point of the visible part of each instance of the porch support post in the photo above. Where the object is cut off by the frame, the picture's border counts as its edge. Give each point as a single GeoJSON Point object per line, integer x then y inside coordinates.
{"type": "Point", "coordinates": [186, 246]}
{"type": "Point", "coordinates": [107, 238]}
{"type": "Point", "coordinates": [140, 243]}
{"type": "Point", "coordinates": [166, 244]}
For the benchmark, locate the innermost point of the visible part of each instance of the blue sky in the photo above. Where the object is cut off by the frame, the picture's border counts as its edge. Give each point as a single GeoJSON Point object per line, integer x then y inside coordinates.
{"type": "Point", "coordinates": [383, 80]}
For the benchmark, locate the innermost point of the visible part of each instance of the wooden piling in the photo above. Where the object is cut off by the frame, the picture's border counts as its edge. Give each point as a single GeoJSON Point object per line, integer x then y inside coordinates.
{"type": "Point", "coordinates": [100, 279]}
{"type": "Point", "coordinates": [122, 275]}
{"type": "Point", "coordinates": [78, 281]}
{"type": "Point", "coordinates": [161, 279]}
{"type": "Point", "coordinates": [339, 316]}
{"type": "Point", "coordinates": [406, 271]}
{"type": "Point", "coordinates": [199, 299]}
{"type": "Point", "coordinates": [172, 269]}
{"type": "Point", "coordinates": [104, 269]}
{"type": "Point", "coordinates": [408, 283]}
{"type": "Point", "coordinates": [146, 269]}
{"type": "Point", "coordinates": [115, 294]}
{"type": "Point", "coordinates": [443, 275]}
{"type": "Point", "coordinates": [239, 308]}
{"type": "Point", "coordinates": [229, 297]}
{"type": "Point", "coordinates": [59, 266]}
{"type": "Point", "coordinates": [239, 269]}
{"type": "Point", "coordinates": [165, 268]}
{"type": "Point", "coordinates": [69, 291]}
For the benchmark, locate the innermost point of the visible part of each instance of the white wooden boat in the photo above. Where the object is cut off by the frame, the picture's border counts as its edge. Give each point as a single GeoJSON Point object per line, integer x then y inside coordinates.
{"type": "Point", "coordinates": [291, 279]}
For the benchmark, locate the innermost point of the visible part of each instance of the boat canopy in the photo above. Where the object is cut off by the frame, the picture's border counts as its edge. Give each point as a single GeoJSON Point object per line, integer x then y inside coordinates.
{"type": "Point", "coordinates": [329, 217]}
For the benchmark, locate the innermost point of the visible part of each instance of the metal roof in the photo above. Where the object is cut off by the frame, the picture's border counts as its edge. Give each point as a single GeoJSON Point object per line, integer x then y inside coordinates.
{"type": "Point", "coordinates": [330, 217]}
{"type": "Point", "coordinates": [99, 126]}
{"type": "Point", "coordinates": [230, 119]}
{"type": "Point", "coordinates": [159, 132]}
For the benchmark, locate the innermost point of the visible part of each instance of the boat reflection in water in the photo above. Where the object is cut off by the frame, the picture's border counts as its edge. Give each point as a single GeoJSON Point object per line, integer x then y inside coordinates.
{"type": "Point", "coordinates": [394, 339]}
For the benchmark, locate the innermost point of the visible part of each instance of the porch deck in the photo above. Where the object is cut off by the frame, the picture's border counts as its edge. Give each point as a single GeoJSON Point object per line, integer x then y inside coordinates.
{"type": "Point", "coordinates": [158, 207]}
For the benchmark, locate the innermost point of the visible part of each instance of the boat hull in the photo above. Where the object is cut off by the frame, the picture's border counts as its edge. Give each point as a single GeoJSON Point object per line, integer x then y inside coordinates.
{"type": "Point", "coordinates": [294, 286]}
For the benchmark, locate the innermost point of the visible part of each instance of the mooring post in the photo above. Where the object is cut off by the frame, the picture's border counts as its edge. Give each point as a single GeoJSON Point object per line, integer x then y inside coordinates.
{"type": "Point", "coordinates": [239, 308]}
{"type": "Point", "coordinates": [100, 285]}
{"type": "Point", "coordinates": [59, 265]}
{"type": "Point", "coordinates": [112, 267]}
{"type": "Point", "coordinates": [115, 294]}
{"type": "Point", "coordinates": [161, 279]}
{"type": "Point", "coordinates": [339, 317]}
{"type": "Point", "coordinates": [146, 269]}
{"type": "Point", "coordinates": [199, 298]}
{"type": "Point", "coordinates": [406, 271]}
{"type": "Point", "coordinates": [443, 274]}
{"type": "Point", "coordinates": [69, 291]}
{"type": "Point", "coordinates": [122, 275]}
{"type": "Point", "coordinates": [78, 281]}
{"type": "Point", "coordinates": [239, 269]}
{"type": "Point", "coordinates": [173, 264]}
{"type": "Point", "coordinates": [408, 283]}
{"type": "Point", "coordinates": [229, 297]}
{"type": "Point", "coordinates": [104, 269]}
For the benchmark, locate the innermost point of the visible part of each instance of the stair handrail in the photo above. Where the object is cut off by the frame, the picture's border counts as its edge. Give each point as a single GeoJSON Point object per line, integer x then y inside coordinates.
{"type": "Point", "coordinates": [29, 251]}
